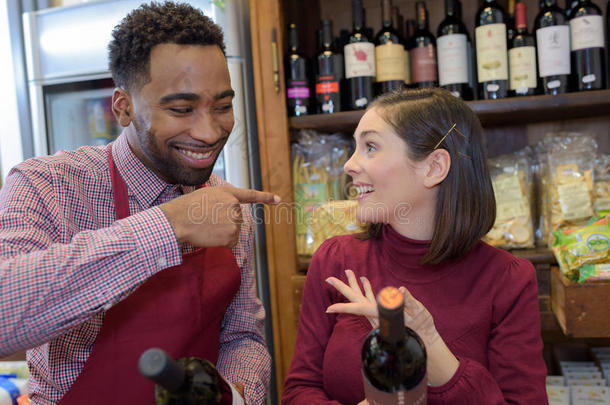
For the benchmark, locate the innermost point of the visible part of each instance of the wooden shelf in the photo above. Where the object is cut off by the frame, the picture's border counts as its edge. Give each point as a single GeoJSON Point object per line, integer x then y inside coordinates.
{"type": "Point", "coordinates": [536, 256]}
{"type": "Point", "coordinates": [506, 111]}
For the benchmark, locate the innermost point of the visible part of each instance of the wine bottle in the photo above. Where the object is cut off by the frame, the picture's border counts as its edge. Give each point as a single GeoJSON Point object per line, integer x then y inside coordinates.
{"type": "Point", "coordinates": [587, 47]}
{"type": "Point", "coordinates": [393, 356]}
{"type": "Point", "coordinates": [522, 57]}
{"type": "Point", "coordinates": [490, 45]}
{"type": "Point", "coordinates": [189, 380]}
{"type": "Point", "coordinates": [399, 21]}
{"type": "Point", "coordinates": [422, 51]}
{"type": "Point", "coordinates": [359, 56]}
{"type": "Point", "coordinates": [389, 54]}
{"type": "Point", "coordinates": [553, 47]}
{"type": "Point", "coordinates": [329, 73]}
{"type": "Point", "coordinates": [510, 21]}
{"type": "Point", "coordinates": [409, 32]}
{"type": "Point", "coordinates": [452, 43]}
{"type": "Point", "coordinates": [297, 85]}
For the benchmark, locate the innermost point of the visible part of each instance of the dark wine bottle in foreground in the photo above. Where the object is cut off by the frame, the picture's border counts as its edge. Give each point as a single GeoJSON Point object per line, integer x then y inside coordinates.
{"type": "Point", "coordinates": [553, 46]}
{"type": "Point", "coordinates": [297, 85]}
{"type": "Point", "coordinates": [491, 50]}
{"type": "Point", "coordinates": [522, 57]}
{"type": "Point", "coordinates": [393, 356]}
{"type": "Point", "coordinates": [359, 56]}
{"type": "Point", "coordinates": [587, 44]}
{"type": "Point", "coordinates": [187, 381]}
{"type": "Point", "coordinates": [329, 73]}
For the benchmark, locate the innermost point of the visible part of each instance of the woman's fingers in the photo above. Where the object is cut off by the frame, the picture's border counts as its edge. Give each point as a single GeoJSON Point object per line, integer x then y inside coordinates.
{"type": "Point", "coordinates": [368, 291]}
{"type": "Point", "coordinates": [355, 308]}
{"type": "Point", "coordinates": [344, 289]}
{"type": "Point", "coordinates": [351, 279]}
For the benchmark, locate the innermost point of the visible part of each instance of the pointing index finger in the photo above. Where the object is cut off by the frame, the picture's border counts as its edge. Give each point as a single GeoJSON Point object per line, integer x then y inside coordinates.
{"type": "Point", "coordinates": [244, 195]}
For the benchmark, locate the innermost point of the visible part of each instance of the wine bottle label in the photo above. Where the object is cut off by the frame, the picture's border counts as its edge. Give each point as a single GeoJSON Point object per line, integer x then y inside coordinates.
{"type": "Point", "coordinates": [491, 52]}
{"type": "Point", "coordinates": [359, 59]}
{"type": "Point", "coordinates": [587, 32]}
{"type": "Point", "coordinates": [415, 396]}
{"type": "Point", "coordinates": [423, 64]}
{"type": "Point", "coordinates": [297, 89]}
{"type": "Point", "coordinates": [407, 67]}
{"type": "Point", "coordinates": [452, 59]}
{"type": "Point", "coordinates": [553, 50]}
{"type": "Point", "coordinates": [522, 68]}
{"type": "Point", "coordinates": [327, 85]}
{"type": "Point", "coordinates": [389, 62]}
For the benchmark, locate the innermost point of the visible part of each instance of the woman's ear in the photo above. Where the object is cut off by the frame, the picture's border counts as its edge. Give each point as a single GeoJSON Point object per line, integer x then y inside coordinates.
{"type": "Point", "coordinates": [438, 164]}
{"type": "Point", "coordinates": [122, 107]}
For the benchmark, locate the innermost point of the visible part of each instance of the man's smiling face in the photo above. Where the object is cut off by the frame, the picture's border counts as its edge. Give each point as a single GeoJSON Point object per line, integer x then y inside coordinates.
{"type": "Point", "coordinates": [183, 116]}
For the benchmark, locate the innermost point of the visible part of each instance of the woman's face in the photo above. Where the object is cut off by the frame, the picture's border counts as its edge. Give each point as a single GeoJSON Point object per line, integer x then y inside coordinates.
{"type": "Point", "coordinates": [389, 184]}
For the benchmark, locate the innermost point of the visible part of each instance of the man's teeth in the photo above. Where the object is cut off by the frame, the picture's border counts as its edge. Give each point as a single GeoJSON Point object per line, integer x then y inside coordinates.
{"type": "Point", "coordinates": [364, 189]}
{"type": "Point", "coordinates": [196, 155]}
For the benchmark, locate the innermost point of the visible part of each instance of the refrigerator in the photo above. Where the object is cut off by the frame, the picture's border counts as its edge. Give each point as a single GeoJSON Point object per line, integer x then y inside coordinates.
{"type": "Point", "coordinates": [70, 87]}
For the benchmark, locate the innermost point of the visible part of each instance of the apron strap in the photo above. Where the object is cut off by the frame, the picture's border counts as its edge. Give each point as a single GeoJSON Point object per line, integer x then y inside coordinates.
{"type": "Point", "coordinates": [119, 190]}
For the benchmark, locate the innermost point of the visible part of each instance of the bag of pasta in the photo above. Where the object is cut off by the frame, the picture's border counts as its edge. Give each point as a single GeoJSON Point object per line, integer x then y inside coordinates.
{"type": "Point", "coordinates": [513, 188]}
{"type": "Point", "coordinates": [318, 177]}
{"type": "Point", "coordinates": [601, 192]}
{"type": "Point", "coordinates": [568, 181]}
{"type": "Point", "coordinates": [334, 218]}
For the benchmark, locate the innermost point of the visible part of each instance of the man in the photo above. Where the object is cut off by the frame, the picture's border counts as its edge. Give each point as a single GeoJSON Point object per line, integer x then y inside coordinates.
{"type": "Point", "coordinates": [98, 246]}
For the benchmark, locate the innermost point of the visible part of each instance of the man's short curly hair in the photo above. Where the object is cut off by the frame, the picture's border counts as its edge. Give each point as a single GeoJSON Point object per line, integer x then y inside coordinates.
{"type": "Point", "coordinates": [153, 24]}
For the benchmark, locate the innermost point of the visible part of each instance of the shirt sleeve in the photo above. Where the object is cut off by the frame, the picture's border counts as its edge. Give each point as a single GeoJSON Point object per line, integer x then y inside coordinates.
{"type": "Point", "coordinates": [304, 383]}
{"type": "Point", "coordinates": [48, 287]}
{"type": "Point", "coordinates": [243, 355]}
{"type": "Point", "coordinates": [516, 370]}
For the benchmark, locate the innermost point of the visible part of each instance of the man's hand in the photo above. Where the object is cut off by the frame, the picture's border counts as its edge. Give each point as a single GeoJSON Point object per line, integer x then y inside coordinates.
{"type": "Point", "coordinates": [211, 216]}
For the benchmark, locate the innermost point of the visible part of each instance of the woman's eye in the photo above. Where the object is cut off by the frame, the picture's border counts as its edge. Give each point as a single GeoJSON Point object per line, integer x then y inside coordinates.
{"type": "Point", "coordinates": [370, 147]}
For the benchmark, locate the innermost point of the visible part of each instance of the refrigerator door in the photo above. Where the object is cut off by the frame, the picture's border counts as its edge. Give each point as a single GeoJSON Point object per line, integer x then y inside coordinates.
{"type": "Point", "coordinates": [79, 113]}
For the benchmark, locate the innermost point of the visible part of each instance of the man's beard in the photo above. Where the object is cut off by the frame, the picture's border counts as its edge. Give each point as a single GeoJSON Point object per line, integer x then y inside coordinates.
{"type": "Point", "coordinates": [169, 165]}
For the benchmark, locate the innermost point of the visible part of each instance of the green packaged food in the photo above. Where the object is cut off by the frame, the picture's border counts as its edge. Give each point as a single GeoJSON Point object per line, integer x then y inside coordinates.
{"type": "Point", "coordinates": [592, 273]}
{"type": "Point", "coordinates": [580, 246]}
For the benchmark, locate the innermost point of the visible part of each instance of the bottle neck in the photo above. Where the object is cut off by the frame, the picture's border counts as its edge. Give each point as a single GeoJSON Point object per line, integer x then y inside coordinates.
{"type": "Point", "coordinates": [357, 15]}
{"type": "Point", "coordinates": [293, 38]}
{"type": "Point", "coordinates": [386, 13]}
{"type": "Point", "coordinates": [520, 19]}
{"type": "Point", "coordinates": [451, 8]}
{"type": "Point", "coordinates": [327, 34]}
{"type": "Point", "coordinates": [391, 326]}
{"type": "Point", "coordinates": [421, 15]}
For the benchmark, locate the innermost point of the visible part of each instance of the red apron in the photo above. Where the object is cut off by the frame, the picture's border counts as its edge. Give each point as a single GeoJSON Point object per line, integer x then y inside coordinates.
{"type": "Point", "coordinates": [179, 310]}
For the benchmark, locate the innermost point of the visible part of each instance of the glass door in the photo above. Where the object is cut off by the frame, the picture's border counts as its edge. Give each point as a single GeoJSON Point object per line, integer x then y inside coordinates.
{"type": "Point", "coordinates": [79, 113]}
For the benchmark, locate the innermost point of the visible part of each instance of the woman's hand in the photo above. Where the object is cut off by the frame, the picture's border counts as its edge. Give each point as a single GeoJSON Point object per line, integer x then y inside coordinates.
{"type": "Point", "coordinates": [416, 315]}
{"type": "Point", "coordinates": [361, 304]}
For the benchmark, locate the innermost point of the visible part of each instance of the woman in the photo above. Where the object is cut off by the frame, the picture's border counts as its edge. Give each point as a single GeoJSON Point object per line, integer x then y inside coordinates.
{"type": "Point", "coordinates": [425, 192]}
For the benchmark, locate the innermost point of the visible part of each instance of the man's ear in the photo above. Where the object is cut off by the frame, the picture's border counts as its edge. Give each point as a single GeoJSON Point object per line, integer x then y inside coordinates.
{"type": "Point", "coordinates": [438, 164]}
{"type": "Point", "coordinates": [122, 107]}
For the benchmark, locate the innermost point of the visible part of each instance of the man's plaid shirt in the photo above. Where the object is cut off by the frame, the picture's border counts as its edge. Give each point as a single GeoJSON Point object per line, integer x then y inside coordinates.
{"type": "Point", "coordinates": [64, 260]}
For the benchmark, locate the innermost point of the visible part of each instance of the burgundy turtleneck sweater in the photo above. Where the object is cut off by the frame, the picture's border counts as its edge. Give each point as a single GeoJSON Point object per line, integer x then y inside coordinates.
{"type": "Point", "coordinates": [484, 305]}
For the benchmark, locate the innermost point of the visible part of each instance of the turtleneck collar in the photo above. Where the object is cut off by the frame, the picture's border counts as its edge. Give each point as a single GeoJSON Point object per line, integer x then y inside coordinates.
{"type": "Point", "coordinates": [404, 254]}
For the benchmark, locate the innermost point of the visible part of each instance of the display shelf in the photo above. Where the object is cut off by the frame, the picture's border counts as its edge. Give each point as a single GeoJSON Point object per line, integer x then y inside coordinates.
{"type": "Point", "coordinates": [506, 111]}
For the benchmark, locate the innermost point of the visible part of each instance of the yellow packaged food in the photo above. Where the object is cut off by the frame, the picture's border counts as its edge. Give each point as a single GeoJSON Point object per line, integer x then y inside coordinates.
{"type": "Point", "coordinates": [334, 218]}
{"type": "Point", "coordinates": [512, 184]}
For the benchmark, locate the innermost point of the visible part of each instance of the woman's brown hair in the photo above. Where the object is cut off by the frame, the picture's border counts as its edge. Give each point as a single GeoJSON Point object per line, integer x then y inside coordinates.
{"type": "Point", "coordinates": [466, 206]}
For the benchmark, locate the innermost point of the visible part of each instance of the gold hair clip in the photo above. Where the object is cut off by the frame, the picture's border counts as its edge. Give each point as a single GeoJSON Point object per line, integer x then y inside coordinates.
{"type": "Point", "coordinates": [448, 132]}
{"type": "Point", "coordinates": [464, 155]}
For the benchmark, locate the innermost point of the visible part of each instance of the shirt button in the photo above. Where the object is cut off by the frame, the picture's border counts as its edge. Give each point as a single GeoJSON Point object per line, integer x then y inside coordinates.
{"type": "Point", "coordinates": [162, 262]}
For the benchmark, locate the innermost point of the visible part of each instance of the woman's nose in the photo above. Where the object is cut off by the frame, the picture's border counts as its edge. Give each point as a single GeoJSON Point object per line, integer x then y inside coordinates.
{"type": "Point", "coordinates": [351, 166]}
